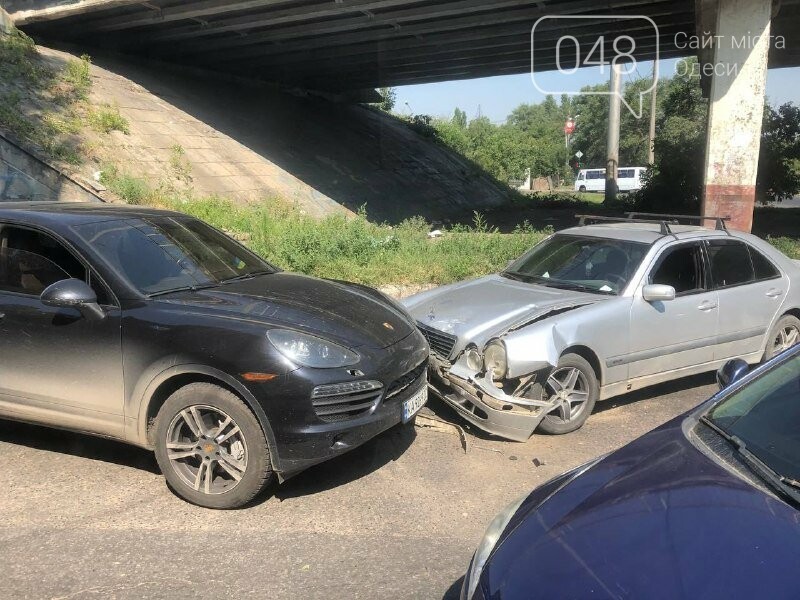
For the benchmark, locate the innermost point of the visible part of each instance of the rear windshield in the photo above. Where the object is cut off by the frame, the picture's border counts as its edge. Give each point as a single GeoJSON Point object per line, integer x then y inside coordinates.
{"type": "Point", "coordinates": [160, 254]}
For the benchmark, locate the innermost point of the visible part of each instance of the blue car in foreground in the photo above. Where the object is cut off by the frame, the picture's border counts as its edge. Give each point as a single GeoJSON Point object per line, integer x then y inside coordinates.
{"type": "Point", "coordinates": [705, 506]}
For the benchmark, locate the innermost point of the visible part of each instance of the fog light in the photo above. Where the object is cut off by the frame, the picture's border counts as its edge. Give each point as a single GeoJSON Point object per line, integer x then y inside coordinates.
{"type": "Point", "coordinates": [474, 359]}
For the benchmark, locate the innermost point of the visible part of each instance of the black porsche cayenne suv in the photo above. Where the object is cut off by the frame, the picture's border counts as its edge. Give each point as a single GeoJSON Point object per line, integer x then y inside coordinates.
{"type": "Point", "coordinates": [154, 328]}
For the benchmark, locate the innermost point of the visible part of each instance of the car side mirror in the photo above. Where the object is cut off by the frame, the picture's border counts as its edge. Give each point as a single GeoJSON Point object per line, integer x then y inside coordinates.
{"type": "Point", "coordinates": [731, 372]}
{"type": "Point", "coordinates": [73, 293]}
{"type": "Point", "coordinates": [658, 293]}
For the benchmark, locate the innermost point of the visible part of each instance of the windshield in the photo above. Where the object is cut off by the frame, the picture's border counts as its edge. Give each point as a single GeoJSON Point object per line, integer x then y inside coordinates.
{"type": "Point", "coordinates": [765, 416]}
{"type": "Point", "coordinates": [586, 263]}
{"type": "Point", "coordinates": [161, 254]}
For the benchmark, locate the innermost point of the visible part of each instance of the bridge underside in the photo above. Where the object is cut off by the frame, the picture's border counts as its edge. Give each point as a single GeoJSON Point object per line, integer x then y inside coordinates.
{"type": "Point", "coordinates": [340, 45]}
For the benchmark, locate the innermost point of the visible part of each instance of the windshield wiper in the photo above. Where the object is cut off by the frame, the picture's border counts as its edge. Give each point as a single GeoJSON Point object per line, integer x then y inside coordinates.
{"type": "Point", "coordinates": [578, 287]}
{"type": "Point", "coordinates": [785, 486]}
{"type": "Point", "coordinates": [515, 276]}
{"type": "Point", "coordinates": [185, 288]}
{"type": "Point", "coordinates": [244, 276]}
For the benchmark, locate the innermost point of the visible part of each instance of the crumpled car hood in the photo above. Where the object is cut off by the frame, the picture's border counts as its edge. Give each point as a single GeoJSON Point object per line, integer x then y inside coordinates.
{"type": "Point", "coordinates": [656, 519]}
{"type": "Point", "coordinates": [479, 309]}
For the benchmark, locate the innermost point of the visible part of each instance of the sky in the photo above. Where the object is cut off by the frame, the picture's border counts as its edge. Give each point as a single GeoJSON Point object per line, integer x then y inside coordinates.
{"type": "Point", "coordinates": [496, 97]}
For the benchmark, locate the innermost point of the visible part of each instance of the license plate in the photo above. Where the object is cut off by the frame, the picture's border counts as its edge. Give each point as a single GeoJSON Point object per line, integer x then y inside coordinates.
{"type": "Point", "coordinates": [413, 404]}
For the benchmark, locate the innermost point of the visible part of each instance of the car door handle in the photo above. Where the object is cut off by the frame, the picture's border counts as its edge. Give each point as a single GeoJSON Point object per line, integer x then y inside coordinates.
{"type": "Point", "coordinates": [774, 293]}
{"type": "Point", "coordinates": [707, 306]}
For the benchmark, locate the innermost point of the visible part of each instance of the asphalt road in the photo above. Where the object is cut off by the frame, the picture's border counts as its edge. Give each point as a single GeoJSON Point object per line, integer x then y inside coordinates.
{"type": "Point", "coordinates": [397, 518]}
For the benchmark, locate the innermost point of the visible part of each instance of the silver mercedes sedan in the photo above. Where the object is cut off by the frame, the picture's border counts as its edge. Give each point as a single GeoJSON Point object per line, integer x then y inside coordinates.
{"type": "Point", "coordinates": [599, 310]}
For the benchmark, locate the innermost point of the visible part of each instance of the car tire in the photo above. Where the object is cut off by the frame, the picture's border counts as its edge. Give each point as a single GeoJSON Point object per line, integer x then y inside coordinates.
{"type": "Point", "coordinates": [582, 189]}
{"type": "Point", "coordinates": [783, 335]}
{"type": "Point", "coordinates": [211, 448]}
{"type": "Point", "coordinates": [580, 397]}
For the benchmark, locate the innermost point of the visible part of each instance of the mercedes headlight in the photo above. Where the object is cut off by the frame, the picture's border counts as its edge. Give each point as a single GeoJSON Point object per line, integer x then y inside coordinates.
{"type": "Point", "coordinates": [311, 351]}
{"type": "Point", "coordinates": [495, 360]}
{"type": "Point", "coordinates": [489, 541]}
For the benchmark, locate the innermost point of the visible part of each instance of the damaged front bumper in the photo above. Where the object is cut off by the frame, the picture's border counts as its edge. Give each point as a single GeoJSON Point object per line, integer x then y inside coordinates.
{"type": "Point", "coordinates": [480, 401]}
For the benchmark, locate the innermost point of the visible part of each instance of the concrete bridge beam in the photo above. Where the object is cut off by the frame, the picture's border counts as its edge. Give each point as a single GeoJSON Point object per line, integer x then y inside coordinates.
{"type": "Point", "coordinates": [736, 109]}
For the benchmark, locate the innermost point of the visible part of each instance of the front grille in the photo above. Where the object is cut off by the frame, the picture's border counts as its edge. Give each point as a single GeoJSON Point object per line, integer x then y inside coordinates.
{"type": "Point", "coordinates": [441, 343]}
{"type": "Point", "coordinates": [342, 401]}
{"type": "Point", "coordinates": [407, 380]}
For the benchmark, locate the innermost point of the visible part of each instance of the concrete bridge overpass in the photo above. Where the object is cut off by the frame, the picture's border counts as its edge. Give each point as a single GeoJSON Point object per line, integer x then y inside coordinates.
{"type": "Point", "coordinates": [347, 46]}
{"type": "Point", "coordinates": [352, 44]}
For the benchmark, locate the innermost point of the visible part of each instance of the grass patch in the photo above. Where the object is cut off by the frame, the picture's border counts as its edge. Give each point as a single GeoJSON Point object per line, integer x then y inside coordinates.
{"type": "Point", "coordinates": [107, 118]}
{"type": "Point", "coordinates": [19, 60]}
{"type": "Point", "coordinates": [132, 190]}
{"type": "Point", "coordinates": [341, 247]}
{"type": "Point", "coordinates": [48, 107]}
{"type": "Point", "coordinates": [789, 246]}
{"type": "Point", "coordinates": [77, 73]}
{"type": "Point", "coordinates": [52, 132]}
{"type": "Point", "coordinates": [352, 248]}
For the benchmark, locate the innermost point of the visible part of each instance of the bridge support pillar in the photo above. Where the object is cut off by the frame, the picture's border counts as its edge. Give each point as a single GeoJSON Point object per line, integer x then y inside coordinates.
{"type": "Point", "coordinates": [736, 109]}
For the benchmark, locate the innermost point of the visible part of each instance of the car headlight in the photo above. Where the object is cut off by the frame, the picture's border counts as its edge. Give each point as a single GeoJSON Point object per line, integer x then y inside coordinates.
{"type": "Point", "coordinates": [489, 541]}
{"type": "Point", "coordinates": [311, 351]}
{"type": "Point", "coordinates": [495, 360]}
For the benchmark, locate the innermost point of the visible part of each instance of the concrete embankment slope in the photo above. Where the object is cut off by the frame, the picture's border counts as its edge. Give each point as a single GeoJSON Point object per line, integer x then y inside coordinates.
{"type": "Point", "coordinates": [24, 176]}
{"type": "Point", "coordinates": [247, 142]}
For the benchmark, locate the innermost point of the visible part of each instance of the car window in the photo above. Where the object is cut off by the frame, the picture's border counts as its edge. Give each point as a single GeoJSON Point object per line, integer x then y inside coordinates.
{"type": "Point", "coordinates": [682, 268]}
{"type": "Point", "coordinates": [730, 263]}
{"type": "Point", "coordinates": [33, 260]}
{"type": "Point", "coordinates": [764, 269]}
{"type": "Point", "coordinates": [765, 415]}
{"type": "Point", "coordinates": [24, 272]}
{"type": "Point", "coordinates": [160, 254]}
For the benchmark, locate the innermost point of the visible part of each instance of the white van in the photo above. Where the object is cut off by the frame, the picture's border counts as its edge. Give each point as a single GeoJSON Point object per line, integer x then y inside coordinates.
{"type": "Point", "coordinates": [629, 179]}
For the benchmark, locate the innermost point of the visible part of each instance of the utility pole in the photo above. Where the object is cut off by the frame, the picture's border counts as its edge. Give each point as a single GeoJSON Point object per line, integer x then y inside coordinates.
{"type": "Point", "coordinates": [615, 104]}
{"type": "Point", "coordinates": [651, 155]}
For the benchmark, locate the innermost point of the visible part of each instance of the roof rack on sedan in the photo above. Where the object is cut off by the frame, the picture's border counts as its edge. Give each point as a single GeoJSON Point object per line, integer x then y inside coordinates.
{"type": "Point", "coordinates": [654, 219]}
{"type": "Point", "coordinates": [719, 221]}
{"type": "Point", "coordinates": [665, 230]}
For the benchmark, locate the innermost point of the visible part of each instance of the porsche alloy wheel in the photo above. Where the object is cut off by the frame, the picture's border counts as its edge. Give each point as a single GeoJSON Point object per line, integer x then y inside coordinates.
{"type": "Point", "coordinates": [211, 447]}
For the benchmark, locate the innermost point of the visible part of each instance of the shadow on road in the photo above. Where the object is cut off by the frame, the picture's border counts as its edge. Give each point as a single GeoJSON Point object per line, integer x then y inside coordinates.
{"type": "Point", "coordinates": [343, 469]}
{"type": "Point", "coordinates": [85, 446]}
{"type": "Point", "coordinates": [662, 389]}
{"type": "Point", "coordinates": [351, 466]}
{"type": "Point", "coordinates": [454, 591]}
{"type": "Point", "coordinates": [445, 412]}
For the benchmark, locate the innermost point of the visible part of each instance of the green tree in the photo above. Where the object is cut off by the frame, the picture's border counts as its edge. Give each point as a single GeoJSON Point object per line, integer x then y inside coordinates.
{"type": "Point", "coordinates": [459, 118]}
{"type": "Point", "coordinates": [779, 160]}
{"type": "Point", "coordinates": [591, 131]}
{"type": "Point", "coordinates": [591, 134]}
{"type": "Point", "coordinates": [675, 183]}
{"type": "Point", "coordinates": [389, 96]}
